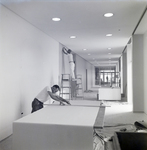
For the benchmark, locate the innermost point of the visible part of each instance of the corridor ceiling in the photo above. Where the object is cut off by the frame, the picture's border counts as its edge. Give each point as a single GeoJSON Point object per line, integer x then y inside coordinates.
{"type": "Point", "coordinates": [85, 20]}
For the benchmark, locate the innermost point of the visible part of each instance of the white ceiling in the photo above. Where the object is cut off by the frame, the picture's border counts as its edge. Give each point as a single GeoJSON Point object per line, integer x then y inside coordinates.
{"type": "Point", "coordinates": [85, 20]}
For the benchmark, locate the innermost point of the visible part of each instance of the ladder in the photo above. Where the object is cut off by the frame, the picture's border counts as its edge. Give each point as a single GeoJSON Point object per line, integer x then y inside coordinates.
{"type": "Point", "coordinates": [65, 86]}
{"type": "Point", "coordinates": [79, 87]}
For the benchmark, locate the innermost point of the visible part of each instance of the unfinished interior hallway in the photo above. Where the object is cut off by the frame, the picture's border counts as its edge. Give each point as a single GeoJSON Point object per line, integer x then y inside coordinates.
{"type": "Point", "coordinates": [31, 58]}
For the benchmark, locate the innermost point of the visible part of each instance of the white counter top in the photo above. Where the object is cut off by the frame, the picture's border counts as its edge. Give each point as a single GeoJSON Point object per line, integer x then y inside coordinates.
{"type": "Point", "coordinates": [57, 127]}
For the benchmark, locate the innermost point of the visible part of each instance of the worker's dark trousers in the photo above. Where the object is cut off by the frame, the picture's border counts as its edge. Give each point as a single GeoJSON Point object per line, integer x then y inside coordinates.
{"type": "Point", "coordinates": [36, 105]}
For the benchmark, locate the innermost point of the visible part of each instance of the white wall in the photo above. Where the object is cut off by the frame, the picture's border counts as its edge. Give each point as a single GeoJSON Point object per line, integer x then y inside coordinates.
{"type": "Point", "coordinates": [89, 68]}
{"type": "Point", "coordinates": [125, 74]}
{"type": "Point", "coordinates": [129, 74]}
{"type": "Point", "coordinates": [81, 66]}
{"type": "Point", "coordinates": [138, 82]}
{"type": "Point", "coordinates": [81, 69]}
{"type": "Point", "coordinates": [29, 60]}
{"type": "Point", "coordinates": [145, 70]}
{"type": "Point", "coordinates": [121, 74]}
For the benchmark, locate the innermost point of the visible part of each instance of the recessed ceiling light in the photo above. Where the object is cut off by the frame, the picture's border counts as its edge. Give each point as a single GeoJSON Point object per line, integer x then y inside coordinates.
{"type": "Point", "coordinates": [108, 14]}
{"type": "Point", "coordinates": [84, 49]}
{"type": "Point", "coordinates": [109, 47]}
{"type": "Point", "coordinates": [109, 35]}
{"type": "Point", "coordinates": [89, 54]}
{"type": "Point", "coordinates": [56, 19]}
{"type": "Point", "coordinates": [72, 37]}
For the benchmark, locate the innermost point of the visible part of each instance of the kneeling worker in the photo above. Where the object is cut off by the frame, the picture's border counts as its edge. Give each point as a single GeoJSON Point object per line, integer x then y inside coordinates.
{"type": "Point", "coordinates": [45, 95]}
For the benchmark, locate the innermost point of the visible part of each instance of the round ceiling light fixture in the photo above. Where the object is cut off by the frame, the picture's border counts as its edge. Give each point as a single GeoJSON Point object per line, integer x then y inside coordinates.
{"type": "Point", "coordinates": [108, 14]}
{"type": "Point", "coordinates": [72, 37]}
{"type": "Point", "coordinates": [109, 35]}
{"type": "Point", "coordinates": [56, 19]}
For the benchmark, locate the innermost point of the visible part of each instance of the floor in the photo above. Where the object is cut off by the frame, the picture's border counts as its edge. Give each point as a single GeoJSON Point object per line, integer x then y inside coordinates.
{"type": "Point", "coordinates": [117, 112]}
{"type": "Point", "coordinates": [6, 144]}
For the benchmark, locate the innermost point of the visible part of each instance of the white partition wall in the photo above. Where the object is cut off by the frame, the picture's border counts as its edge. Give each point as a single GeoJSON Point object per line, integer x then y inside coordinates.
{"type": "Point", "coordinates": [137, 74]}
{"type": "Point", "coordinates": [129, 74]}
{"type": "Point", "coordinates": [145, 72]}
{"type": "Point", "coordinates": [26, 58]}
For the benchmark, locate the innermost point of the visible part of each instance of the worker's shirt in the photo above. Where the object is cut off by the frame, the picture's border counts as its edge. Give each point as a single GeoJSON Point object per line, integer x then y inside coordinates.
{"type": "Point", "coordinates": [43, 96]}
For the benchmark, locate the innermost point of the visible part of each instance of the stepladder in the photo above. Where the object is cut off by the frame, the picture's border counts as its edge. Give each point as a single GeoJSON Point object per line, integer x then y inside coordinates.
{"type": "Point", "coordinates": [79, 87]}
{"type": "Point", "coordinates": [65, 86]}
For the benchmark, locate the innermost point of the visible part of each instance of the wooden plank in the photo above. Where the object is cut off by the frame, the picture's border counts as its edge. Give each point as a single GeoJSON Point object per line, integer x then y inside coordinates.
{"type": "Point", "coordinates": [99, 122]}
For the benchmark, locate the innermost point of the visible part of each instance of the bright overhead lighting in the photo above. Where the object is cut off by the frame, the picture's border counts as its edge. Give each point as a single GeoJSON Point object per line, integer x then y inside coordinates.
{"type": "Point", "coordinates": [84, 49]}
{"type": "Point", "coordinates": [72, 37]}
{"type": "Point", "coordinates": [109, 35]}
{"type": "Point", "coordinates": [109, 47]}
{"type": "Point", "coordinates": [56, 19]}
{"type": "Point", "coordinates": [108, 14]}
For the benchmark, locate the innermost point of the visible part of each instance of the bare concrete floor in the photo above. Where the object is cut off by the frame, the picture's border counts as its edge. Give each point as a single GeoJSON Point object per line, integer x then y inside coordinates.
{"type": "Point", "coordinates": [6, 144]}
{"type": "Point", "coordinates": [123, 114]}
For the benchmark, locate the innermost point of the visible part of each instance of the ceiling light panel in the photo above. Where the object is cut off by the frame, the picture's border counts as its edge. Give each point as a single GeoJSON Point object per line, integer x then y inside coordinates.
{"type": "Point", "coordinates": [72, 37]}
{"type": "Point", "coordinates": [108, 34]}
{"type": "Point", "coordinates": [108, 15]}
{"type": "Point", "coordinates": [56, 19]}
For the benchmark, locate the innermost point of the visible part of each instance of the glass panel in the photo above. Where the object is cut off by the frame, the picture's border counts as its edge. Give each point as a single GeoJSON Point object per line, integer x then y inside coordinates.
{"type": "Point", "coordinates": [107, 77]}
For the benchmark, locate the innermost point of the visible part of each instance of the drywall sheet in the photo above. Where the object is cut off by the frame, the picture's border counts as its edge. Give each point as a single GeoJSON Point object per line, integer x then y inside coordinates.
{"type": "Point", "coordinates": [109, 94]}
{"type": "Point", "coordinates": [56, 127]}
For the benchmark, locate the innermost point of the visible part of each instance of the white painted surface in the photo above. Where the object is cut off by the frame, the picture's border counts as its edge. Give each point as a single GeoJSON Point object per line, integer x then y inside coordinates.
{"type": "Point", "coordinates": [109, 94]}
{"type": "Point", "coordinates": [129, 74]}
{"type": "Point", "coordinates": [56, 128]}
{"type": "Point", "coordinates": [27, 64]}
{"type": "Point", "coordinates": [137, 74]}
{"type": "Point", "coordinates": [29, 61]}
{"type": "Point", "coordinates": [145, 72]}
